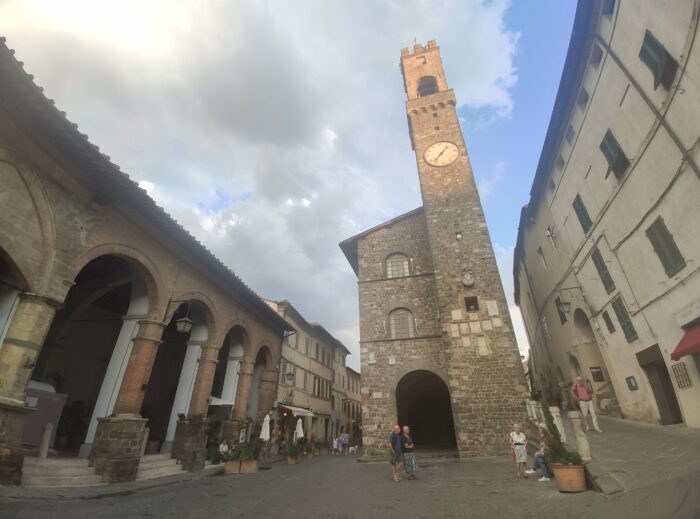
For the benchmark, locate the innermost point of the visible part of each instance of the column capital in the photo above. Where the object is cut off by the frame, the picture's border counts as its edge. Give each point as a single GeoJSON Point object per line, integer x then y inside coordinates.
{"type": "Point", "coordinates": [31, 297]}
{"type": "Point", "coordinates": [154, 322]}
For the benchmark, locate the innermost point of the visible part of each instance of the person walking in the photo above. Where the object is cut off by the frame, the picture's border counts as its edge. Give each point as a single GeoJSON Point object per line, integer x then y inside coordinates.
{"type": "Point", "coordinates": [518, 443]}
{"type": "Point", "coordinates": [396, 459]}
{"type": "Point", "coordinates": [584, 397]}
{"type": "Point", "coordinates": [346, 443]}
{"type": "Point", "coordinates": [409, 457]}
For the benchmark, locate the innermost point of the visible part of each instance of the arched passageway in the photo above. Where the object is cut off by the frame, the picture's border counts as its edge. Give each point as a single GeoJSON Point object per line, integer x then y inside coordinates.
{"type": "Point", "coordinates": [423, 403]}
{"type": "Point", "coordinates": [81, 365]}
{"type": "Point", "coordinates": [173, 375]}
{"type": "Point", "coordinates": [262, 362]}
{"type": "Point", "coordinates": [11, 284]}
{"type": "Point", "coordinates": [226, 376]}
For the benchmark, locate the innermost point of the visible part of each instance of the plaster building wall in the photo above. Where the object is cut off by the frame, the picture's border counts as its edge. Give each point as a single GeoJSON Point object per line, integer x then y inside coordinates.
{"type": "Point", "coordinates": [656, 128]}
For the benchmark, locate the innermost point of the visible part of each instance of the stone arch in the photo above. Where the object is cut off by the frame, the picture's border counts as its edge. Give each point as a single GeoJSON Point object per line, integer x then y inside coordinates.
{"type": "Point", "coordinates": [263, 354]}
{"type": "Point", "coordinates": [141, 264]}
{"type": "Point", "coordinates": [427, 85]}
{"type": "Point", "coordinates": [37, 279]}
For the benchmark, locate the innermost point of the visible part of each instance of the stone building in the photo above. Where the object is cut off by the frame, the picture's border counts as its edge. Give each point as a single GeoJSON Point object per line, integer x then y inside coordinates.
{"type": "Point", "coordinates": [116, 325]}
{"type": "Point", "coordinates": [606, 263]}
{"type": "Point", "coordinates": [437, 346]}
{"type": "Point", "coordinates": [308, 377]}
{"type": "Point", "coordinates": [353, 406]}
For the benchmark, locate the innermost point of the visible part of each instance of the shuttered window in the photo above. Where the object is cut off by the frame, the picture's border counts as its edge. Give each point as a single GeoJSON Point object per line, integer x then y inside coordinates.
{"type": "Point", "coordinates": [603, 272]}
{"type": "Point", "coordinates": [662, 65]}
{"type": "Point", "coordinates": [401, 324]}
{"type": "Point", "coordinates": [623, 318]}
{"type": "Point", "coordinates": [665, 247]}
{"type": "Point", "coordinates": [397, 266]}
{"type": "Point", "coordinates": [617, 160]}
{"type": "Point", "coordinates": [582, 214]}
{"type": "Point", "coordinates": [608, 322]}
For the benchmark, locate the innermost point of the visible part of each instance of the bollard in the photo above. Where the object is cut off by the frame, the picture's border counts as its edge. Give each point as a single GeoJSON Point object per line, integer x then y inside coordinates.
{"type": "Point", "coordinates": [584, 449]}
{"type": "Point", "coordinates": [556, 414]}
{"type": "Point", "coordinates": [45, 440]}
{"type": "Point", "coordinates": [144, 441]}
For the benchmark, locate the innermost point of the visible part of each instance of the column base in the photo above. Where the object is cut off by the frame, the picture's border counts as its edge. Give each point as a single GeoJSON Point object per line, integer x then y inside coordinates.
{"type": "Point", "coordinates": [116, 449]}
{"type": "Point", "coordinates": [190, 443]}
{"type": "Point", "coordinates": [12, 415]}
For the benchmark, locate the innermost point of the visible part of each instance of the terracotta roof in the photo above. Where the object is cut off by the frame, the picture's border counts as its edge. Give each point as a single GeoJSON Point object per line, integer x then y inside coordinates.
{"type": "Point", "coordinates": [349, 246]}
{"type": "Point", "coordinates": [104, 178]}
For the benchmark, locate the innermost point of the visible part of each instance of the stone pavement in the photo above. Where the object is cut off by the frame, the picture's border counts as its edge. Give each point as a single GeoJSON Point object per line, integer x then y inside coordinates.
{"type": "Point", "coordinates": [338, 487]}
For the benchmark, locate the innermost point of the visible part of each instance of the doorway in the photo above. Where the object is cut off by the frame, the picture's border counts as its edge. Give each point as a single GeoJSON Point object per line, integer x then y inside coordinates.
{"type": "Point", "coordinates": [652, 362]}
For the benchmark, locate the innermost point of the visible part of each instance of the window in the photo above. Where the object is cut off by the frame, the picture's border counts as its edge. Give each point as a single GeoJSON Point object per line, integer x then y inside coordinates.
{"type": "Point", "coordinates": [624, 319]}
{"type": "Point", "coordinates": [583, 99]}
{"type": "Point", "coordinates": [596, 56]}
{"type": "Point", "coordinates": [296, 340]}
{"type": "Point", "coordinates": [318, 351]}
{"type": "Point", "coordinates": [560, 163]}
{"type": "Point", "coordinates": [608, 7]}
{"type": "Point", "coordinates": [608, 322]}
{"type": "Point", "coordinates": [397, 266]}
{"type": "Point", "coordinates": [551, 185]}
{"type": "Point", "coordinates": [659, 61]}
{"type": "Point", "coordinates": [560, 310]}
{"type": "Point", "coordinates": [471, 303]}
{"type": "Point", "coordinates": [681, 374]}
{"type": "Point", "coordinates": [306, 377]}
{"type": "Point", "coordinates": [307, 345]}
{"type": "Point", "coordinates": [603, 272]}
{"type": "Point", "coordinates": [665, 247]}
{"type": "Point", "coordinates": [323, 357]}
{"type": "Point", "coordinates": [545, 328]}
{"type": "Point", "coordinates": [550, 234]}
{"type": "Point", "coordinates": [542, 258]}
{"type": "Point", "coordinates": [401, 323]}
{"type": "Point", "coordinates": [617, 160]}
{"type": "Point", "coordinates": [570, 134]}
{"type": "Point", "coordinates": [427, 85]}
{"type": "Point", "coordinates": [582, 214]}
{"type": "Point", "coordinates": [597, 374]}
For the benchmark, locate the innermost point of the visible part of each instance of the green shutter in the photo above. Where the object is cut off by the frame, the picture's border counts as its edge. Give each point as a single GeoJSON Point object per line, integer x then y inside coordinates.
{"type": "Point", "coordinates": [608, 322]}
{"type": "Point", "coordinates": [617, 160]}
{"type": "Point", "coordinates": [665, 247]}
{"type": "Point", "coordinates": [662, 65]}
{"type": "Point", "coordinates": [603, 272]}
{"type": "Point", "coordinates": [582, 214]}
{"type": "Point", "coordinates": [624, 318]}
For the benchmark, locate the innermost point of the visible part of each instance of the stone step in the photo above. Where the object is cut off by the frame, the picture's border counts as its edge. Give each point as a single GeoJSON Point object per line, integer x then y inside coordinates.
{"type": "Point", "coordinates": [51, 480]}
{"type": "Point", "coordinates": [57, 470]}
{"type": "Point", "coordinates": [51, 463]}
{"type": "Point", "coordinates": [156, 459]}
{"type": "Point", "coordinates": [158, 472]}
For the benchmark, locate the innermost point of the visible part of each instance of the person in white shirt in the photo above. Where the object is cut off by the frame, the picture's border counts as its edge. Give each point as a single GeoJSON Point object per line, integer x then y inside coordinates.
{"type": "Point", "coordinates": [518, 443]}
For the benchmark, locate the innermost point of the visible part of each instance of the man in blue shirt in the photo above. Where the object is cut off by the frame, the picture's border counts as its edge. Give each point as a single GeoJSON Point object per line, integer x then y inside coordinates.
{"type": "Point", "coordinates": [395, 450]}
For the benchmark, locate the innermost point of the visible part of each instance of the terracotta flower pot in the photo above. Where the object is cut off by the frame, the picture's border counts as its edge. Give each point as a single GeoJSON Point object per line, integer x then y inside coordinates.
{"type": "Point", "coordinates": [291, 461]}
{"type": "Point", "coordinates": [249, 466]}
{"type": "Point", "coordinates": [570, 478]}
{"type": "Point", "coordinates": [232, 467]}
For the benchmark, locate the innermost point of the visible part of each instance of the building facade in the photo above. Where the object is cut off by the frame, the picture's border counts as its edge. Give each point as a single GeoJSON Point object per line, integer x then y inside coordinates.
{"type": "Point", "coordinates": [116, 326]}
{"type": "Point", "coordinates": [438, 351]}
{"type": "Point", "coordinates": [353, 406]}
{"type": "Point", "coordinates": [606, 263]}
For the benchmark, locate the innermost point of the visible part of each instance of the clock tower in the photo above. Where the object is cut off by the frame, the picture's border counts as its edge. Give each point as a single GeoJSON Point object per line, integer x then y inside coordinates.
{"type": "Point", "coordinates": [437, 343]}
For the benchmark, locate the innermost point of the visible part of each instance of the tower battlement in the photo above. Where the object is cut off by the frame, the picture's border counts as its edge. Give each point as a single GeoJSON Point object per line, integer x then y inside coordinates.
{"type": "Point", "coordinates": [422, 70]}
{"type": "Point", "coordinates": [419, 49]}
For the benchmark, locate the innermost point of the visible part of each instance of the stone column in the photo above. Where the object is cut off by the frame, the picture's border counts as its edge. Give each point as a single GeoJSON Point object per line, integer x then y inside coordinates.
{"type": "Point", "coordinates": [584, 448]}
{"type": "Point", "coordinates": [245, 379]}
{"type": "Point", "coordinates": [116, 447]}
{"type": "Point", "coordinates": [18, 354]}
{"type": "Point", "coordinates": [138, 370]}
{"type": "Point", "coordinates": [199, 402]}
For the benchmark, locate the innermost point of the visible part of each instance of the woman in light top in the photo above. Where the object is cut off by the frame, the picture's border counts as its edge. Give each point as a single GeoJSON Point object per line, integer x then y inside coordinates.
{"type": "Point", "coordinates": [518, 443]}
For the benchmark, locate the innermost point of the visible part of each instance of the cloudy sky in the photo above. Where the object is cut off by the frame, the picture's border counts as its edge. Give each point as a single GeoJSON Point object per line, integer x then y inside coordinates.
{"type": "Point", "coordinates": [272, 130]}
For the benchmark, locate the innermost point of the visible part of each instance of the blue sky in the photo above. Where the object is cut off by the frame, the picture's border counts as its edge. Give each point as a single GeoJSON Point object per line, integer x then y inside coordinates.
{"type": "Point", "coordinates": [273, 130]}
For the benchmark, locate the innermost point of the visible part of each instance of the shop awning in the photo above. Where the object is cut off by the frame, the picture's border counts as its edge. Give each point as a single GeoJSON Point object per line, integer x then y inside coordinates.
{"type": "Point", "coordinates": [690, 343]}
{"type": "Point", "coordinates": [298, 411]}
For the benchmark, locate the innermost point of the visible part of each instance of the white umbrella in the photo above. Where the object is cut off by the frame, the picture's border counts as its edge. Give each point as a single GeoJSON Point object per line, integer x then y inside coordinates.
{"type": "Point", "coordinates": [299, 431]}
{"type": "Point", "coordinates": [265, 431]}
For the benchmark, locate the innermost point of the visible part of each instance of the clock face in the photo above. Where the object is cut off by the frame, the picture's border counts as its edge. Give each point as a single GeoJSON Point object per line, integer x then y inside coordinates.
{"type": "Point", "coordinates": [441, 153]}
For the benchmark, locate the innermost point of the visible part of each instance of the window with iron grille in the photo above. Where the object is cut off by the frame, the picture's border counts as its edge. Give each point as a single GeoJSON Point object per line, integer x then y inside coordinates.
{"type": "Point", "coordinates": [623, 318]}
{"type": "Point", "coordinates": [597, 374]}
{"type": "Point", "coordinates": [401, 323]}
{"type": "Point", "coordinates": [681, 373]}
{"type": "Point", "coordinates": [582, 214]}
{"type": "Point", "coordinates": [665, 247]}
{"type": "Point", "coordinates": [603, 272]}
{"type": "Point", "coordinates": [397, 266]}
{"type": "Point", "coordinates": [608, 322]}
{"type": "Point", "coordinates": [660, 62]}
{"type": "Point", "coordinates": [617, 160]}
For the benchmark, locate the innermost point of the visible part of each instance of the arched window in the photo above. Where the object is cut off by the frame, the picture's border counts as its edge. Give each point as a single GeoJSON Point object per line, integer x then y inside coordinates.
{"type": "Point", "coordinates": [397, 266]}
{"type": "Point", "coordinates": [427, 85]}
{"type": "Point", "coordinates": [401, 324]}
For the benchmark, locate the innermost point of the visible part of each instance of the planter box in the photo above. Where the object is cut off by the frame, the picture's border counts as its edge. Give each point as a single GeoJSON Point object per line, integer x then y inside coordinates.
{"type": "Point", "coordinates": [291, 461]}
{"type": "Point", "coordinates": [570, 478]}
{"type": "Point", "coordinates": [249, 466]}
{"type": "Point", "coordinates": [232, 467]}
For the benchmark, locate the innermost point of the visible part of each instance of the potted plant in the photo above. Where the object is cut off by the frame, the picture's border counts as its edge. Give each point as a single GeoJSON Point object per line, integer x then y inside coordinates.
{"type": "Point", "coordinates": [323, 446]}
{"type": "Point", "coordinates": [292, 453]}
{"type": "Point", "coordinates": [232, 460]}
{"type": "Point", "coordinates": [566, 465]}
{"type": "Point", "coordinates": [249, 454]}
{"type": "Point", "coordinates": [309, 449]}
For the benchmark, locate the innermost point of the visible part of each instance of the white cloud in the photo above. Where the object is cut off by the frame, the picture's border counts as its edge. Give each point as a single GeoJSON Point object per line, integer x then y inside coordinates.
{"type": "Point", "coordinates": [270, 130]}
{"type": "Point", "coordinates": [490, 182]}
